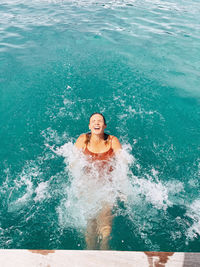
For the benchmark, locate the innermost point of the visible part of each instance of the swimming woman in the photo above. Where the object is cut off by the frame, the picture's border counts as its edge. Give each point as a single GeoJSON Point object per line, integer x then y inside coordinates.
{"type": "Point", "coordinates": [99, 148]}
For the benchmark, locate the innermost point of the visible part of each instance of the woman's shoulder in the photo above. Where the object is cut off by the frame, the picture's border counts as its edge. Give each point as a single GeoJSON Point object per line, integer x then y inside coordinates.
{"type": "Point", "coordinates": [113, 138]}
{"type": "Point", "coordinates": [115, 143]}
{"type": "Point", "coordinates": [80, 142]}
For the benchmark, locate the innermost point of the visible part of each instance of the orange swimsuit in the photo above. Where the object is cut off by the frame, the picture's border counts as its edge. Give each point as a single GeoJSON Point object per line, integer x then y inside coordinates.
{"type": "Point", "coordinates": [102, 158]}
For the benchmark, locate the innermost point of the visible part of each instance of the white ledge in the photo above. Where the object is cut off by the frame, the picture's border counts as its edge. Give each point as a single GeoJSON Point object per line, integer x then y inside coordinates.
{"type": "Point", "coordinates": [87, 258]}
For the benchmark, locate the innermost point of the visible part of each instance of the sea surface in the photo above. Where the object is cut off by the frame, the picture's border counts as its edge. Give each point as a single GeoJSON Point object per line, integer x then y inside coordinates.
{"type": "Point", "coordinates": [137, 62]}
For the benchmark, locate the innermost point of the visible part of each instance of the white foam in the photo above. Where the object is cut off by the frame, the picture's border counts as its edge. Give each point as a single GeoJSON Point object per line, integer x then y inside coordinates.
{"type": "Point", "coordinates": [155, 193]}
{"type": "Point", "coordinates": [51, 135]}
{"type": "Point", "coordinates": [194, 213]}
{"type": "Point", "coordinates": [41, 191]}
{"type": "Point", "coordinates": [88, 192]}
{"type": "Point", "coordinates": [23, 189]}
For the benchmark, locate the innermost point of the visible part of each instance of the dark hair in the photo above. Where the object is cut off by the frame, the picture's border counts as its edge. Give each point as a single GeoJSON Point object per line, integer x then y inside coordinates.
{"type": "Point", "coordinates": [99, 114]}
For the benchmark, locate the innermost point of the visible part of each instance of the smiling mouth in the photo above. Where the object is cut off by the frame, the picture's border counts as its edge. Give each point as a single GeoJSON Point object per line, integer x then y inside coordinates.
{"type": "Point", "coordinates": [96, 128]}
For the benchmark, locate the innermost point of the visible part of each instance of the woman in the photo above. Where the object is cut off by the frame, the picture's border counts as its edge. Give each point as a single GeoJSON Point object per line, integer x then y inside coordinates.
{"type": "Point", "coordinates": [99, 147]}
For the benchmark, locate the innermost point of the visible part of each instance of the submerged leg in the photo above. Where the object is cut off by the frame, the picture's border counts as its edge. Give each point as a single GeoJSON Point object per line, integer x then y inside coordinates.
{"type": "Point", "coordinates": [104, 227]}
{"type": "Point", "coordinates": [91, 234]}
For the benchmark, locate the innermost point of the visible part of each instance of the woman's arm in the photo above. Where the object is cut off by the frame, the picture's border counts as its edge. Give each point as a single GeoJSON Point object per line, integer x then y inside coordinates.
{"type": "Point", "coordinates": [116, 146]}
{"type": "Point", "coordinates": [80, 142]}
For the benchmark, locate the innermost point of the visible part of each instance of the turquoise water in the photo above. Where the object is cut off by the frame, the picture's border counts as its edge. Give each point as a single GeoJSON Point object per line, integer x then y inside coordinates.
{"type": "Point", "coordinates": [138, 63]}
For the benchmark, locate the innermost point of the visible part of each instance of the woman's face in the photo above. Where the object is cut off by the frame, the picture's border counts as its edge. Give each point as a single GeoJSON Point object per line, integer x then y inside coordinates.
{"type": "Point", "coordinates": [96, 124]}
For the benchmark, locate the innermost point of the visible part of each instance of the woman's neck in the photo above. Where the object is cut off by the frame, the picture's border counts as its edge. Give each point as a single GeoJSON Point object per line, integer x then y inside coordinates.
{"type": "Point", "coordinates": [97, 138]}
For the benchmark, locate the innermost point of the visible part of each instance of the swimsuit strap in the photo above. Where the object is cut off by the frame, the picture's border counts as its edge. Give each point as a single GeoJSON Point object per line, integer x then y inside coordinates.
{"type": "Point", "coordinates": [111, 138]}
{"type": "Point", "coordinates": [87, 142]}
{"type": "Point", "coordinates": [87, 139]}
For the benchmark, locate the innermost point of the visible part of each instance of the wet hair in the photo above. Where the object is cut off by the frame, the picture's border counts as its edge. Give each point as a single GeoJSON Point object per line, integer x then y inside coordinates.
{"type": "Point", "coordinates": [88, 135]}
{"type": "Point", "coordinates": [98, 114]}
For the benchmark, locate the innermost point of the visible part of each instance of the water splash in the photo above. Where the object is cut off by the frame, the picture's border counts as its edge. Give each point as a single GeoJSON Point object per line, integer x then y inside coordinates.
{"type": "Point", "coordinates": [90, 188]}
{"type": "Point", "coordinates": [194, 213]}
{"type": "Point", "coordinates": [87, 192]}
